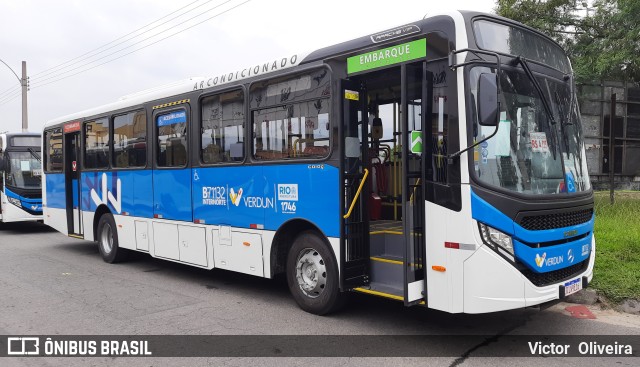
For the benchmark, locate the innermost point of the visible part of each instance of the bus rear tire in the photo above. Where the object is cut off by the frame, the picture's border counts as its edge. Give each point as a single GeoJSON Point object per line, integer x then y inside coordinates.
{"type": "Point", "coordinates": [108, 240]}
{"type": "Point", "coordinates": [312, 275]}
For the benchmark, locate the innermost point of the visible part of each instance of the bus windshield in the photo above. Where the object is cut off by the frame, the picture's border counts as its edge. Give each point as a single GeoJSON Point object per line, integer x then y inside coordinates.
{"type": "Point", "coordinates": [23, 170]}
{"type": "Point", "coordinates": [531, 154]}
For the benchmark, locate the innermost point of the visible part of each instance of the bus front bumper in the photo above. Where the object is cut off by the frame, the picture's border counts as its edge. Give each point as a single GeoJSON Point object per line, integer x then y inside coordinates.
{"type": "Point", "coordinates": [492, 284]}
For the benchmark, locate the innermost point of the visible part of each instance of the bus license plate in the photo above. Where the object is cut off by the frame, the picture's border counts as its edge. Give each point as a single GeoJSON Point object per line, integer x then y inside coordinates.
{"type": "Point", "coordinates": [572, 286]}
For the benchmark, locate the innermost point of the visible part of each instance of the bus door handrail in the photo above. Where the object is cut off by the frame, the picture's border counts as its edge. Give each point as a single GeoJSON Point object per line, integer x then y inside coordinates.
{"type": "Point", "coordinates": [353, 202]}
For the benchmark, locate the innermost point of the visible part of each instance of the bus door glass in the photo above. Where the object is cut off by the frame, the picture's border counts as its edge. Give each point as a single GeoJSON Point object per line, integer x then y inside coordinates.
{"type": "Point", "coordinates": [355, 229]}
{"type": "Point", "coordinates": [414, 100]}
{"type": "Point", "coordinates": [72, 177]}
{"type": "Point", "coordinates": [171, 176]}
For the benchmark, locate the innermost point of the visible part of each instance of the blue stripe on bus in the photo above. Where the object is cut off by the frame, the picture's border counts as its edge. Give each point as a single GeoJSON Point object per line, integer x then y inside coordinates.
{"type": "Point", "coordinates": [32, 204]}
{"type": "Point", "coordinates": [268, 195]}
{"type": "Point", "coordinates": [56, 197]}
{"type": "Point", "coordinates": [542, 260]}
{"type": "Point", "coordinates": [485, 213]}
{"type": "Point", "coordinates": [241, 196]}
{"type": "Point", "coordinates": [134, 197]}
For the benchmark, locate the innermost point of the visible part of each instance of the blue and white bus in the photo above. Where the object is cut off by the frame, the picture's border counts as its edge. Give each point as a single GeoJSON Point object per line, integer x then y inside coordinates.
{"type": "Point", "coordinates": [21, 174]}
{"type": "Point", "coordinates": [440, 163]}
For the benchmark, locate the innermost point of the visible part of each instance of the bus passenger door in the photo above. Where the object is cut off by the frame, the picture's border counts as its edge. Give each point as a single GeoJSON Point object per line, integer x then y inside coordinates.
{"type": "Point", "coordinates": [171, 178]}
{"type": "Point", "coordinates": [415, 97]}
{"type": "Point", "coordinates": [354, 237]}
{"type": "Point", "coordinates": [72, 181]}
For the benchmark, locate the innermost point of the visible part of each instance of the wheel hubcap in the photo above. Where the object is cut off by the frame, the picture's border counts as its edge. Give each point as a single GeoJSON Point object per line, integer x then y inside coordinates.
{"type": "Point", "coordinates": [106, 239]}
{"type": "Point", "coordinates": [311, 273]}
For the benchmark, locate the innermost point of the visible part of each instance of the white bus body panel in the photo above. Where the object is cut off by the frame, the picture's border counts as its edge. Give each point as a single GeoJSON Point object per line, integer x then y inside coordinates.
{"type": "Point", "coordinates": [11, 213]}
{"type": "Point", "coordinates": [193, 245]}
{"type": "Point", "coordinates": [238, 251]}
{"type": "Point", "coordinates": [142, 235]}
{"type": "Point", "coordinates": [165, 241]}
{"type": "Point", "coordinates": [56, 219]}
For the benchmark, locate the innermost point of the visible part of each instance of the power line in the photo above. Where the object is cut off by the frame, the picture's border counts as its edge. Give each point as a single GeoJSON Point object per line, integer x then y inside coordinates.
{"type": "Point", "coordinates": [128, 47]}
{"type": "Point", "coordinates": [14, 88]}
{"type": "Point", "coordinates": [49, 70]}
{"type": "Point", "coordinates": [9, 98]}
{"type": "Point", "coordinates": [143, 47]}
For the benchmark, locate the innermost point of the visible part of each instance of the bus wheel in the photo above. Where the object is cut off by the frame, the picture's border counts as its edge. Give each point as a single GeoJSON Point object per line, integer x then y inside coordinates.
{"type": "Point", "coordinates": [312, 274]}
{"type": "Point", "coordinates": [108, 240]}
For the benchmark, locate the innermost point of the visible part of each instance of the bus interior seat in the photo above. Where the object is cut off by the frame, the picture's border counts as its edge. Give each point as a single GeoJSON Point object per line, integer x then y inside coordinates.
{"type": "Point", "coordinates": [211, 154]}
{"type": "Point", "coordinates": [176, 152]}
{"type": "Point", "coordinates": [236, 151]}
{"type": "Point", "coordinates": [122, 159]}
{"type": "Point", "coordinates": [316, 150]}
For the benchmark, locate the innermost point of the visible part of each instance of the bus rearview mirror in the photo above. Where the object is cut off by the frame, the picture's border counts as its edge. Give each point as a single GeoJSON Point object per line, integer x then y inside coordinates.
{"type": "Point", "coordinates": [488, 99]}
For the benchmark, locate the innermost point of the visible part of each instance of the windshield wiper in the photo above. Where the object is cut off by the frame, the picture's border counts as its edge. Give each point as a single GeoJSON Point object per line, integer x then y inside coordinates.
{"type": "Point", "coordinates": [545, 103]}
{"type": "Point", "coordinates": [536, 85]}
{"type": "Point", "coordinates": [563, 123]}
{"type": "Point", "coordinates": [34, 154]}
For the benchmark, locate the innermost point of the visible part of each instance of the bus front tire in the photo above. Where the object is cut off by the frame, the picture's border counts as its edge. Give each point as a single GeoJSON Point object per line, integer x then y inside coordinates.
{"type": "Point", "coordinates": [108, 240]}
{"type": "Point", "coordinates": [312, 275]}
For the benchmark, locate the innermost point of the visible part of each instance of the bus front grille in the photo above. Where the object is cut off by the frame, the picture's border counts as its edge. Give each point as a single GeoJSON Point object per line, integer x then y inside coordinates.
{"type": "Point", "coordinates": [556, 276]}
{"type": "Point", "coordinates": [556, 220]}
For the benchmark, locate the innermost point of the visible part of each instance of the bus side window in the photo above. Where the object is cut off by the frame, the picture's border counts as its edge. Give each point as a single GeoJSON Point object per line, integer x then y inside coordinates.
{"type": "Point", "coordinates": [222, 128]}
{"type": "Point", "coordinates": [96, 144]}
{"type": "Point", "coordinates": [290, 117]}
{"type": "Point", "coordinates": [130, 140]}
{"type": "Point", "coordinates": [172, 139]}
{"type": "Point", "coordinates": [53, 150]}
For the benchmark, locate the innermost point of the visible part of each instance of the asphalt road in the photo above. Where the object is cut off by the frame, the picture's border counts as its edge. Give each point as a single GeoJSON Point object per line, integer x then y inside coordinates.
{"type": "Point", "coordinates": [52, 284]}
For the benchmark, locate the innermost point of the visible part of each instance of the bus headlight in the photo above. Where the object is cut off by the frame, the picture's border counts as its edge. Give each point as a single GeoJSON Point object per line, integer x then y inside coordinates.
{"type": "Point", "coordinates": [15, 202]}
{"type": "Point", "coordinates": [499, 241]}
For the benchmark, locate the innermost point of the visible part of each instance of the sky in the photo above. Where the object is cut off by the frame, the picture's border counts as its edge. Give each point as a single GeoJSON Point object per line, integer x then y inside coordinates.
{"type": "Point", "coordinates": [64, 43]}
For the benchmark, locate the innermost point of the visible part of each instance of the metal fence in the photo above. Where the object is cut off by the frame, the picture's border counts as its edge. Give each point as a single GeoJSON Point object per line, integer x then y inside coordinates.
{"type": "Point", "coordinates": [595, 107]}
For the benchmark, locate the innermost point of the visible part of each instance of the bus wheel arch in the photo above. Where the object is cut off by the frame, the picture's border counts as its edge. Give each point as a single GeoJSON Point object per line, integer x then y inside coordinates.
{"type": "Point", "coordinates": [100, 211]}
{"type": "Point", "coordinates": [283, 240]}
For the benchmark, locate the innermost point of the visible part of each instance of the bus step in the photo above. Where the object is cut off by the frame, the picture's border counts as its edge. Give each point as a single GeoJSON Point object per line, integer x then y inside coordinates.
{"type": "Point", "coordinates": [386, 270]}
{"type": "Point", "coordinates": [382, 290]}
{"type": "Point", "coordinates": [387, 244]}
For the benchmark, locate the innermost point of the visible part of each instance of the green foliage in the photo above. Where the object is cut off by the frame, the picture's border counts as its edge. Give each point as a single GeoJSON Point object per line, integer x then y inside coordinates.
{"type": "Point", "coordinates": [601, 40]}
{"type": "Point", "coordinates": [617, 231]}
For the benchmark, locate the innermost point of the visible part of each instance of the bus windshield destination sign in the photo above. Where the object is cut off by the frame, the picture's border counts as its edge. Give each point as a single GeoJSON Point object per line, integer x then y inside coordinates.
{"type": "Point", "coordinates": [387, 56]}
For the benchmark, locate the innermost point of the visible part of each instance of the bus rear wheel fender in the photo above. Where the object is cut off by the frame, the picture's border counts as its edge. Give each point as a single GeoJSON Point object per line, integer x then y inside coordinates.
{"type": "Point", "coordinates": [107, 237]}
{"type": "Point", "coordinates": [312, 274]}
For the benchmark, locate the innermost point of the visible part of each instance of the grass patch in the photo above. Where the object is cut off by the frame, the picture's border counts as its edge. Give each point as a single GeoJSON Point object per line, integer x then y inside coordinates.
{"type": "Point", "coordinates": [617, 231]}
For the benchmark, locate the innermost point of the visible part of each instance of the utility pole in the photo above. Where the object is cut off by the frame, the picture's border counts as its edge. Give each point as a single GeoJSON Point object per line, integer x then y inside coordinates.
{"type": "Point", "coordinates": [24, 83]}
{"type": "Point", "coordinates": [25, 86]}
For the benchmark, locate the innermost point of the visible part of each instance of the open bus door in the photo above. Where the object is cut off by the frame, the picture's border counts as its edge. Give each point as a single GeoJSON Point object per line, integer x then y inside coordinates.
{"type": "Point", "coordinates": [72, 178]}
{"type": "Point", "coordinates": [354, 237]}
{"type": "Point", "coordinates": [416, 101]}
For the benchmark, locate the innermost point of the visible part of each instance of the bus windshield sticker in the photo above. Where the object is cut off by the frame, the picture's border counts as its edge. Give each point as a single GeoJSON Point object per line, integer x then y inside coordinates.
{"type": "Point", "coordinates": [352, 95]}
{"type": "Point", "coordinates": [387, 56]}
{"type": "Point", "coordinates": [172, 118]}
{"type": "Point", "coordinates": [539, 142]}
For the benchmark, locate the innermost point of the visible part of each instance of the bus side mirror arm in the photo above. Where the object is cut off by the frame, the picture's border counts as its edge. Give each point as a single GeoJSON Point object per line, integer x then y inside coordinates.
{"type": "Point", "coordinates": [490, 86]}
{"type": "Point", "coordinates": [451, 157]}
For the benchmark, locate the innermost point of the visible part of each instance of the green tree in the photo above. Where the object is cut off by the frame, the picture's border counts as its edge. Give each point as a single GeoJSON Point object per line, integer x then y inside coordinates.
{"type": "Point", "coordinates": [602, 40]}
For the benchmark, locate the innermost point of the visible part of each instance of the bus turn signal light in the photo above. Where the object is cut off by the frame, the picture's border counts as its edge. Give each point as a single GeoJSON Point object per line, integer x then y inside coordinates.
{"type": "Point", "coordinates": [439, 268]}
